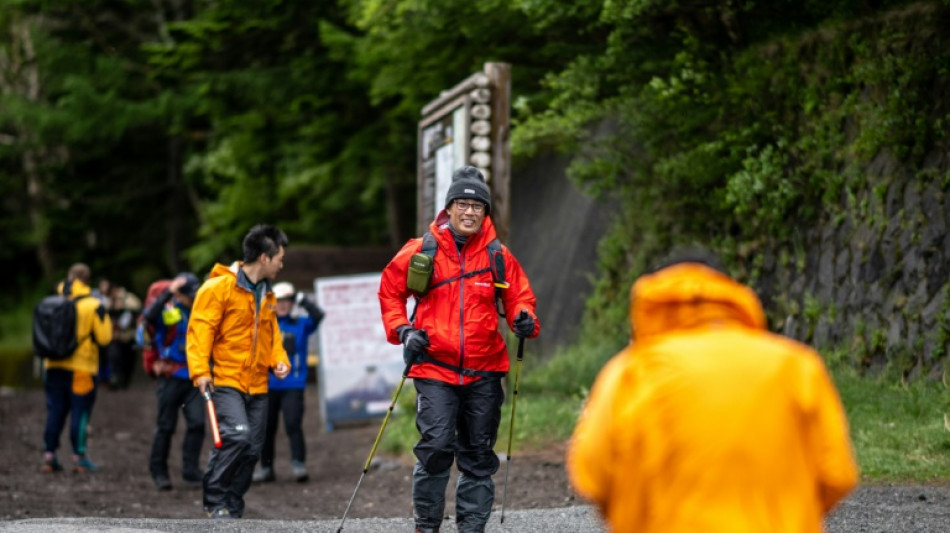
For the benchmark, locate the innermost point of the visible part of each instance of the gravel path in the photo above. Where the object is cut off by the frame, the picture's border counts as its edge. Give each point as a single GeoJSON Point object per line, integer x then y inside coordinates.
{"type": "Point", "coordinates": [869, 510]}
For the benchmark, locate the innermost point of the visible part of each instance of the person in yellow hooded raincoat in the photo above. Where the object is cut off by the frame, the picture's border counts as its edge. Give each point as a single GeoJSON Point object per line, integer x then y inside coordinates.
{"type": "Point", "coordinates": [71, 384]}
{"type": "Point", "coordinates": [233, 341]}
{"type": "Point", "coordinates": [708, 422]}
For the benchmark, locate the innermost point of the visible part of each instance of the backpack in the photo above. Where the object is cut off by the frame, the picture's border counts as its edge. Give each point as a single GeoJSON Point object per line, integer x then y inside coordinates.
{"type": "Point", "coordinates": [421, 268]}
{"type": "Point", "coordinates": [54, 327]}
{"type": "Point", "coordinates": [145, 333]}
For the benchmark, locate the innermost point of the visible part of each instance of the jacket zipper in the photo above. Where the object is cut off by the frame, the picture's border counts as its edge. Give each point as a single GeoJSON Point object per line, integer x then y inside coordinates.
{"type": "Point", "coordinates": [461, 314]}
{"type": "Point", "coordinates": [257, 321]}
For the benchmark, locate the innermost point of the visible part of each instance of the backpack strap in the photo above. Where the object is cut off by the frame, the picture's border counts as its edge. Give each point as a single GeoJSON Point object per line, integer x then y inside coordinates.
{"type": "Point", "coordinates": [92, 327]}
{"type": "Point", "coordinates": [496, 261]}
{"type": "Point", "coordinates": [429, 244]}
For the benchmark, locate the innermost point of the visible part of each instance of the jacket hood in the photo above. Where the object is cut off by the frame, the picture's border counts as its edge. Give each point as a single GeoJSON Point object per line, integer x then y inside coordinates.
{"type": "Point", "coordinates": [440, 229]}
{"type": "Point", "coordinates": [690, 295]}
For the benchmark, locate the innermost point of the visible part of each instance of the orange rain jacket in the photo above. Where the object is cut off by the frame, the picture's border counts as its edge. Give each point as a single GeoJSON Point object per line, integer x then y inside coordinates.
{"type": "Point", "coordinates": [460, 317]}
{"type": "Point", "coordinates": [225, 326]}
{"type": "Point", "coordinates": [707, 422]}
{"type": "Point", "coordinates": [93, 329]}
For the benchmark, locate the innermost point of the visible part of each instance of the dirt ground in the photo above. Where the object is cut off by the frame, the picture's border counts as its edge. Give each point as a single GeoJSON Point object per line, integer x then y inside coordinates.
{"type": "Point", "coordinates": [119, 442]}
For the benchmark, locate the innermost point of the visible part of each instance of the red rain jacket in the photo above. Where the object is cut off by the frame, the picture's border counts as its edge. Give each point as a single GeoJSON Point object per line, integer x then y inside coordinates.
{"type": "Point", "coordinates": [460, 317]}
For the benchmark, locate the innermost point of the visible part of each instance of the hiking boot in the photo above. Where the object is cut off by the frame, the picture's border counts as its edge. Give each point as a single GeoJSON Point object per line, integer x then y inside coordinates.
{"type": "Point", "coordinates": [300, 471]}
{"type": "Point", "coordinates": [220, 514]}
{"type": "Point", "coordinates": [264, 474]}
{"type": "Point", "coordinates": [82, 465]}
{"type": "Point", "coordinates": [426, 530]}
{"type": "Point", "coordinates": [162, 482]}
{"type": "Point", "coordinates": [51, 464]}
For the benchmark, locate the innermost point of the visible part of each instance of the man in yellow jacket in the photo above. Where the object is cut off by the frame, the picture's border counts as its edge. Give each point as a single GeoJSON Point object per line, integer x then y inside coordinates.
{"type": "Point", "coordinates": [708, 422]}
{"type": "Point", "coordinates": [233, 341]}
{"type": "Point", "coordinates": [70, 384]}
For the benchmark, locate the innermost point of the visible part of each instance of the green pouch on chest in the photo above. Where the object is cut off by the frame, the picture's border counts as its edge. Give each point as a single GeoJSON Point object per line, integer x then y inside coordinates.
{"type": "Point", "coordinates": [420, 272]}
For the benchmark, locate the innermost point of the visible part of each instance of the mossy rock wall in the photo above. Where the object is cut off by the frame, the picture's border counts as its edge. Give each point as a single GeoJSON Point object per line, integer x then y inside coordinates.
{"type": "Point", "coordinates": [871, 282]}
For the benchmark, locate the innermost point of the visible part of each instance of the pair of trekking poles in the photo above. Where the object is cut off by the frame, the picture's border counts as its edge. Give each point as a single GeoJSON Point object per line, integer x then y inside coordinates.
{"type": "Point", "coordinates": [392, 405]}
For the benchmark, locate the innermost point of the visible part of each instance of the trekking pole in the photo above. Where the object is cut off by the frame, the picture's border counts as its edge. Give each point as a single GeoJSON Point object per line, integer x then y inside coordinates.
{"type": "Point", "coordinates": [213, 419]}
{"type": "Point", "coordinates": [372, 452]}
{"type": "Point", "coordinates": [511, 424]}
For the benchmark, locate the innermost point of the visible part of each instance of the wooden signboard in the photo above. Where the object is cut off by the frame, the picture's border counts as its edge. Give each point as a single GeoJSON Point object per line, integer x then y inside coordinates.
{"type": "Point", "coordinates": [466, 125]}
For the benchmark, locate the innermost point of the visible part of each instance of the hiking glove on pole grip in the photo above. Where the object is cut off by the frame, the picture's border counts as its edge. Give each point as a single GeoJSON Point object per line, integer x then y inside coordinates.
{"type": "Point", "coordinates": [415, 341]}
{"type": "Point", "coordinates": [524, 324]}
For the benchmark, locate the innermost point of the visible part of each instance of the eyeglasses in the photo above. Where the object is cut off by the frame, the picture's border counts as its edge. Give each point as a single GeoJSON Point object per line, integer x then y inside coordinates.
{"type": "Point", "coordinates": [476, 207]}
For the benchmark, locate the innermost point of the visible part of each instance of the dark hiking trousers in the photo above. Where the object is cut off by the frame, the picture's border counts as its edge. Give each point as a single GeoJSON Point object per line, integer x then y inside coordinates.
{"type": "Point", "coordinates": [456, 422]}
{"type": "Point", "coordinates": [61, 402]}
{"type": "Point", "coordinates": [290, 402]}
{"type": "Point", "coordinates": [174, 394]}
{"type": "Point", "coordinates": [242, 421]}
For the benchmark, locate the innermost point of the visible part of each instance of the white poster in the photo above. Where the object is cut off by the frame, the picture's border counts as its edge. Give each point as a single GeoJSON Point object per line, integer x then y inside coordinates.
{"type": "Point", "coordinates": [444, 166]}
{"type": "Point", "coordinates": [359, 370]}
{"type": "Point", "coordinates": [449, 156]}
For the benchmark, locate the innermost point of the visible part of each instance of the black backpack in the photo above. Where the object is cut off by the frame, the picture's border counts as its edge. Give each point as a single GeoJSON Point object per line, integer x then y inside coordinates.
{"type": "Point", "coordinates": [54, 327]}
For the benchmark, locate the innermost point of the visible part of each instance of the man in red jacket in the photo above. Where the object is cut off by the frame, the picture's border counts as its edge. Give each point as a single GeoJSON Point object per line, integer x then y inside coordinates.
{"type": "Point", "coordinates": [457, 352]}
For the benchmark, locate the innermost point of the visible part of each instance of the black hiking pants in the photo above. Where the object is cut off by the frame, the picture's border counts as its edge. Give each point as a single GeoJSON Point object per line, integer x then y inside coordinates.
{"type": "Point", "coordinates": [174, 394]}
{"type": "Point", "coordinates": [242, 422]}
{"type": "Point", "coordinates": [290, 403]}
{"type": "Point", "coordinates": [456, 422]}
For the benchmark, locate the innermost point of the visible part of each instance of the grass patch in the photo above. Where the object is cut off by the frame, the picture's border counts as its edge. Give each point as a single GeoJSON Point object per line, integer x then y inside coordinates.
{"type": "Point", "coordinates": [16, 329]}
{"type": "Point", "coordinates": [899, 432]}
{"type": "Point", "coordinates": [16, 342]}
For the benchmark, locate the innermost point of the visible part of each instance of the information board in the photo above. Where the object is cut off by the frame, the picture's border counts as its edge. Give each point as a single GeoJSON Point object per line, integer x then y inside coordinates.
{"type": "Point", "coordinates": [466, 125]}
{"type": "Point", "coordinates": [359, 370]}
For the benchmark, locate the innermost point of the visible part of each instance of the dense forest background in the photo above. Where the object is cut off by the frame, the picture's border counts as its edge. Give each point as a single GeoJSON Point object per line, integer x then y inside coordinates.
{"type": "Point", "coordinates": [143, 136]}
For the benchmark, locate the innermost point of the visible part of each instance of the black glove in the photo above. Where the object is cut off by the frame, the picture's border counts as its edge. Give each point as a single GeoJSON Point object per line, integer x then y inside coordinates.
{"type": "Point", "coordinates": [415, 341]}
{"type": "Point", "coordinates": [311, 308]}
{"type": "Point", "coordinates": [524, 324]}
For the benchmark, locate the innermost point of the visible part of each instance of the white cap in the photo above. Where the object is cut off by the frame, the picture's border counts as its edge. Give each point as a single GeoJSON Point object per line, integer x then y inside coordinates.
{"type": "Point", "coordinates": [284, 289]}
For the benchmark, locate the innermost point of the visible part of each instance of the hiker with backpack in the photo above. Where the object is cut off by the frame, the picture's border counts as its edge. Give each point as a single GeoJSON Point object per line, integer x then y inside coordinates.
{"type": "Point", "coordinates": [287, 395]}
{"type": "Point", "coordinates": [458, 272]}
{"type": "Point", "coordinates": [233, 343]}
{"type": "Point", "coordinates": [68, 330]}
{"type": "Point", "coordinates": [168, 317]}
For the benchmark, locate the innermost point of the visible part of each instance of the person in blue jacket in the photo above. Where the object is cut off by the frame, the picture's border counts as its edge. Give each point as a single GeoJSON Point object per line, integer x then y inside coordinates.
{"type": "Point", "coordinates": [286, 395]}
{"type": "Point", "coordinates": [169, 315]}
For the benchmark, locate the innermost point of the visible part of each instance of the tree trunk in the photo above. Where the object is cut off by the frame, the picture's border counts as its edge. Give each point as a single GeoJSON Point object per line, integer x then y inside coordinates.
{"type": "Point", "coordinates": [37, 212]}
{"type": "Point", "coordinates": [22, 77]}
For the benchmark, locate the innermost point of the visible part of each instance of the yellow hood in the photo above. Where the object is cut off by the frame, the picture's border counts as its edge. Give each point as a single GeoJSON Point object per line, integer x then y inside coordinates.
{"type": "Point", "coordinates": [690, 295]}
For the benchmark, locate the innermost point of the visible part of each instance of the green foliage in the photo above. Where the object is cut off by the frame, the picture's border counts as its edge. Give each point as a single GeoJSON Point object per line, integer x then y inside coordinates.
{"type": "Point", "coordinates": [738, 137]}
{"type": "Point", "coordinates": [571, 371]}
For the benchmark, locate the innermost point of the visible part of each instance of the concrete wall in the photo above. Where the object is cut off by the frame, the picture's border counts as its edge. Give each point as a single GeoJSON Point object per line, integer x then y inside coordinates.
{"type": "Point", "coordinates": [555, 229]}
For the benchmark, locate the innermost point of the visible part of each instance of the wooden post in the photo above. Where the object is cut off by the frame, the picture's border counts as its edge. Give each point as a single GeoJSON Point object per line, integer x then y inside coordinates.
{"type": "Point", "coordinates": [500, 182]}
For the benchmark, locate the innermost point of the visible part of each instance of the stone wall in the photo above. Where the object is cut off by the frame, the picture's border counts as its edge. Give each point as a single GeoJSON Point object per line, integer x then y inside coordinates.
{"type": "Point", "coordinates": [871, 282]}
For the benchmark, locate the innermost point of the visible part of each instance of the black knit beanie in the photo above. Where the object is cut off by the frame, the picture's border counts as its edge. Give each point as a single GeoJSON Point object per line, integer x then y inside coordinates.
{"type": "Point", "coordinates": [468, 182]}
